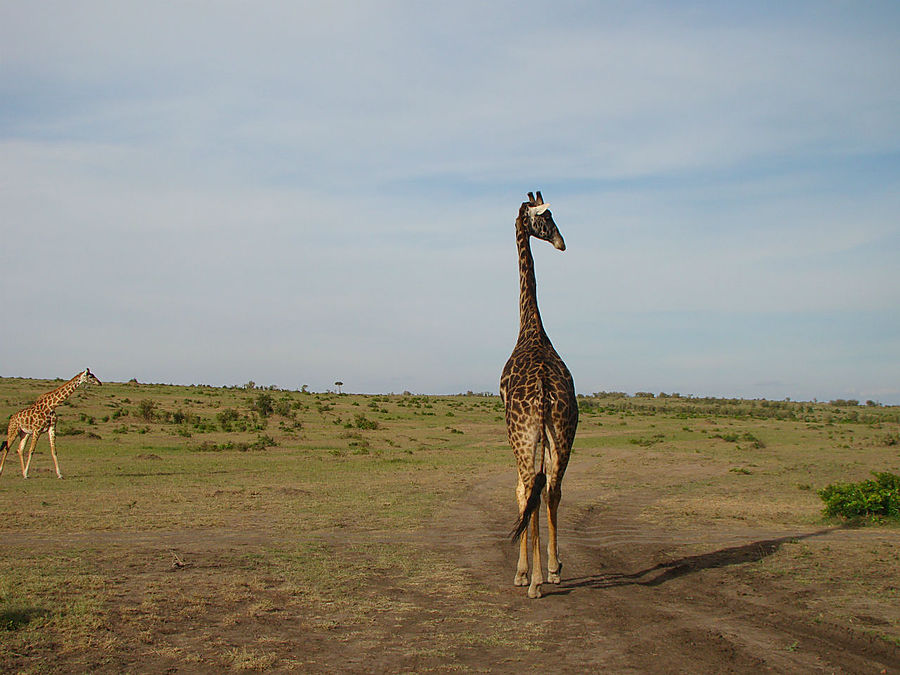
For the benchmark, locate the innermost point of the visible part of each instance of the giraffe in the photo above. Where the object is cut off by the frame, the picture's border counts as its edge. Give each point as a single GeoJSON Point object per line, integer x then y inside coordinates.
{"type": "Point", "coordinates": [38, 418]}
{"type": "Point", "coordinates": [541, 410]}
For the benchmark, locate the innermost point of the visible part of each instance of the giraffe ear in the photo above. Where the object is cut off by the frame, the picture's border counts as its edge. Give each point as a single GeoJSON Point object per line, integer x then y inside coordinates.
{"type": "Point", "coordinates": [535, 211]}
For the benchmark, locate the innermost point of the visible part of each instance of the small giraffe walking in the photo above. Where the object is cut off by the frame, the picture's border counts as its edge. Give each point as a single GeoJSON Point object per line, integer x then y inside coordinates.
{"type": "Point", "coordinates": [38, 418]}
{"type": "Point", "coordinates": [541, 409]}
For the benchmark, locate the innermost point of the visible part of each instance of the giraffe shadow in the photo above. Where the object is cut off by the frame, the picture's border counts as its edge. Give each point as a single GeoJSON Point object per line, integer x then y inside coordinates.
{"type": "Point", "coordinates": [667, 571]}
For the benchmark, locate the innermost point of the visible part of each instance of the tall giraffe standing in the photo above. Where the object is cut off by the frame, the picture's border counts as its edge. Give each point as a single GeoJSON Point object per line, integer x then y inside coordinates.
{"type": "Point", "coordinates": [38, 418]}
{"type": "Point", "coordinates": [541, 409]}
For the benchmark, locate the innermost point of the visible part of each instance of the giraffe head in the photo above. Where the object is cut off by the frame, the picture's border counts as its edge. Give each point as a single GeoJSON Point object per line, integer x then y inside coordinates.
{"type": "Point", "coordinates": [87, 377]}
{"type": "Point", "coordinates": [538, 221]}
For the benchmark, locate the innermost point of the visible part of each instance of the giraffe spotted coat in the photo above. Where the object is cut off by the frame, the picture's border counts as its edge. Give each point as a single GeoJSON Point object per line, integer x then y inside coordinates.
{"type": "Point", "coordinates": [541, 409]}
{"type": "Point", "coordinates": [40, 418]}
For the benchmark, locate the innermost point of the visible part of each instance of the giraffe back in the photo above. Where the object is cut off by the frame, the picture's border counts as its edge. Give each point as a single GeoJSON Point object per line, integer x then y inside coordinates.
{"type": "Point", "coordinates": [536, 375]}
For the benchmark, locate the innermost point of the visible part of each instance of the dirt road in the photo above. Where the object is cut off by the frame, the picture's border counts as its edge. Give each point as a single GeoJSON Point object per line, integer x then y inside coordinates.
{"type": "Point", "coordinates": [631, 600]}
{"type": "Point", "coordinates": [628, 604]}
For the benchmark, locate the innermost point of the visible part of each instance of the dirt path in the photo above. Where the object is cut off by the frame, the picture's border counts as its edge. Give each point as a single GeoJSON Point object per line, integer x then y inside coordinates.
{"type": "Point", "coordinates": [629, 604]}
{"type": "Point", "coordinates": [631, 600]}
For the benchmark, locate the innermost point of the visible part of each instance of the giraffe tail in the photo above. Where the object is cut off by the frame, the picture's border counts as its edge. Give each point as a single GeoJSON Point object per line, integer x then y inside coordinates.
{"type": "Point", "coordinates": [534, 501]}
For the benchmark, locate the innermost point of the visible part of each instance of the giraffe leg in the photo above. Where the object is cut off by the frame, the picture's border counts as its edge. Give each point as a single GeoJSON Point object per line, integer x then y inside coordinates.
{"type": "Point", "coordinates": [34, 440]}
{"type": "Point", "coordinates": [522, 566]}
{"type": "Point", "coordinates": [554, 493]}
{"type": "Point", "coordinates": [20, 450]}
{"type": "Point", "coordinates": [3, 458]}
{"type": "Point", "coordinates": [51, 435]}
{"type": "Point", "coordinates": [537, 577]}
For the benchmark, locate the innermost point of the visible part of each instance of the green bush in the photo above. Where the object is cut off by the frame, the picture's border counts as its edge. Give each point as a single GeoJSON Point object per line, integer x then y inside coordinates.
{"type": "Point", "coordinates": [261, 443]}
{"type": "Point", "coordinates": [362, 422]}
{"type": "Point", "coordinates": [181, 417]}
{"type": "Point", "coordinates": [264, 405]}
{"type": "Point", "coordinates": [67, 430]}
{"type": "Point", "coordinates": [868, 499]}
{"type": "Point", "coordinates": [227, 417]}
{"type": "Point", "coordinates": [647, 441]}
{"type": "Point", "coordinates": [147, 410]}
{"type": "Point", "coordinates": [282, 408]}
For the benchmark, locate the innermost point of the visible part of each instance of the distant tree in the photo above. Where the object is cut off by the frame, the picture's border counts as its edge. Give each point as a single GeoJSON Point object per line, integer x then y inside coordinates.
{"type": "Point", "coordinates": [339, 384]}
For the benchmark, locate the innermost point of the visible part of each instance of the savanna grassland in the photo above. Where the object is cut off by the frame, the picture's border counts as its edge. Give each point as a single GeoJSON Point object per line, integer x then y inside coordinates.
{"type": "Point", "coordinates": [202, 529]}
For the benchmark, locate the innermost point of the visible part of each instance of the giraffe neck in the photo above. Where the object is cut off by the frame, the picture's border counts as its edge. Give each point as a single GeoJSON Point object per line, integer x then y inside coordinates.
{"type": "Point", "coordinates": [529, 314]}
{"type": "Point", "coordinates": [53, 398]}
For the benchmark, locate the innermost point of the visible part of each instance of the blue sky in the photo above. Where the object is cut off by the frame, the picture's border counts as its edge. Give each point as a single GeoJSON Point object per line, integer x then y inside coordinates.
{"type": "Point", "coordinates": [295, 193]}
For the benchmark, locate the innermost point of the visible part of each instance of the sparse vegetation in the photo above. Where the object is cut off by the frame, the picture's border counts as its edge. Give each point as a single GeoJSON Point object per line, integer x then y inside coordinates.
{"type": "Point", "coordinates": [313, 511]}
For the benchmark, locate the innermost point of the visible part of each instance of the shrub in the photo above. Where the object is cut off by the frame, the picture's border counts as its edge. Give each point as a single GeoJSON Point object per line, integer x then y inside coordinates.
{"type": "Point", "coordinates": [208, 446]}
{"type": "Point", "coordinates": [66, 430]}
{"type": "Point", "coordinates": [264, 404]}
{"type": "Point", "coordinates": [362, 422]}
{"type": "Point", "coordinates": [262, 442]}
{"type": "Point", "coordinates": [868, 499]}
{"type": "Point", "coordinates": [227, 417]}
{"type": "Point", "coordinates": [753, 440]}
{"type": "Point", "coordinates": [147, 410]}
{"type": "Point", "coordinates": [282, 408]}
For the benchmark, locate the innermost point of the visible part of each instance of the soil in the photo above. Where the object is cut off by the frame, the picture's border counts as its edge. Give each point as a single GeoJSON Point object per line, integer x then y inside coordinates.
{"type": "Point", "coordinates": [630, 601]}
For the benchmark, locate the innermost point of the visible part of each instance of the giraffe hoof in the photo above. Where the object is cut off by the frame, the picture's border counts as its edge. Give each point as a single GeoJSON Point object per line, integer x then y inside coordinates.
{"type": "Point", "coordinates": [521, 579]}
{"type": "Point", "coordinates": [553, 577]}
{"type": "Point", "coordinates": [534, 592]}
